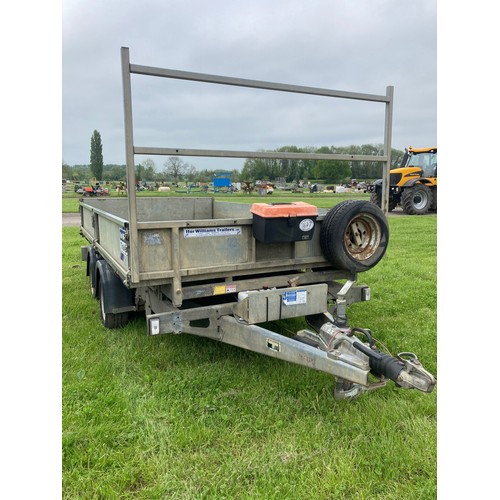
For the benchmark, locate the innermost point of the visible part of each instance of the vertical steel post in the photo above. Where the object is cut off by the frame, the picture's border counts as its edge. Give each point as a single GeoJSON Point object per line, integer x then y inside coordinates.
{"type": "Point", "coordinates": [133, 257]}
{"type": "Point", "coordinates": [387, 149]}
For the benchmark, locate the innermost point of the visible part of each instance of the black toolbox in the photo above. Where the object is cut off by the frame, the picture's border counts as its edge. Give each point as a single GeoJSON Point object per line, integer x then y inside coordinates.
{"type": "Point", "coordinates": [283, 222]}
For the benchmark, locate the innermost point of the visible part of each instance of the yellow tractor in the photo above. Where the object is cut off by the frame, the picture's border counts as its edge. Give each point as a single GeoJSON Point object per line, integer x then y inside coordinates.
{"type": "Point", "coordinates": [413, 185]}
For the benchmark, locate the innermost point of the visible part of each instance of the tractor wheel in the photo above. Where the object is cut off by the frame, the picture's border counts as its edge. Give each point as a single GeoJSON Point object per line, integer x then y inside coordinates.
{"type": "Point", "coordinates": [416, 200]}
{"type": "Point", "coordinates": [354, 235]}
{"type": "Point", "coordinates": [376, 198]}
{"type": "Point", "coordinates": [434, 205]}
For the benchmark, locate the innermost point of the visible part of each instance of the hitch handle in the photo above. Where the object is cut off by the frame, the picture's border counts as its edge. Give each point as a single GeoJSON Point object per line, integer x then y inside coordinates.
{"type": "Point", "coordinates": [381, 364]}
{"type": "Point", "coordinates": [407, 373]}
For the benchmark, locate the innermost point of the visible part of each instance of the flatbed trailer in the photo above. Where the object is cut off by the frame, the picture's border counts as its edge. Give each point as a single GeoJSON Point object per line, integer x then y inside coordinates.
{"type": "Point", "coordinates": [220, 269]}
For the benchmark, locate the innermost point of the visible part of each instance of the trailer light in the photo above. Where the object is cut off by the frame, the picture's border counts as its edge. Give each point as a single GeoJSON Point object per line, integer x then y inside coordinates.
{"type": "Point", "coordinates": [154, 326]}
{"type": "Point", "coordinates": [365, 294]}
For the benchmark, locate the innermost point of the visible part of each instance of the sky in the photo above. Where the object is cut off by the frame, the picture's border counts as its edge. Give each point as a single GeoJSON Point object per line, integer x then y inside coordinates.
{"type": "Point", "coordinates": [362, 46]}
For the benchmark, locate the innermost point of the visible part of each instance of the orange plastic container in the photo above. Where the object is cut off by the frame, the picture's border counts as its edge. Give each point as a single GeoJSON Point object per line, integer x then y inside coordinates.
{"type": "Point", "coordinates": [283, 222]}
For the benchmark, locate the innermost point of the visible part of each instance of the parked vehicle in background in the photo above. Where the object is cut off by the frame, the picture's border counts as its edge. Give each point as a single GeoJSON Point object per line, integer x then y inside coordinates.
{"type": "Point", "coordinates": [413, 185]}
{"type": "Point", "coordinates": [95, 191]}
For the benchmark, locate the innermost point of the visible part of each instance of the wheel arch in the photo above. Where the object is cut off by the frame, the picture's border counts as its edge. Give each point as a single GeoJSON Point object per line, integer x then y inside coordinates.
{"type": "Point", "coordinates": [419, 180]}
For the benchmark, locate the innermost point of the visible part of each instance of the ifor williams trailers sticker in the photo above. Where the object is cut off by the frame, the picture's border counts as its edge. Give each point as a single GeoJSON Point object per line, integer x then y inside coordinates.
{"type": "Point", "coordinates": [207, 232]}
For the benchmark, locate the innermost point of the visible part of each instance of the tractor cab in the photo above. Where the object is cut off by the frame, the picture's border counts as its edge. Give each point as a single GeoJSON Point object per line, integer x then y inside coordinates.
{"type": "Point", "coordinates": [424, 159]}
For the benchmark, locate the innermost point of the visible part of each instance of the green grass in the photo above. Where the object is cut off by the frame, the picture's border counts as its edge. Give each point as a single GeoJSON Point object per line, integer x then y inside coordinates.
{"type": "Point", "coordinates": [187, 417]}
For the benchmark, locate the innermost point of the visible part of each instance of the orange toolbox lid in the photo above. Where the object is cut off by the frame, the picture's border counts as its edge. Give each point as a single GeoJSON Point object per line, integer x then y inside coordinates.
{"type": "Point", "coordinates": [293, 209]}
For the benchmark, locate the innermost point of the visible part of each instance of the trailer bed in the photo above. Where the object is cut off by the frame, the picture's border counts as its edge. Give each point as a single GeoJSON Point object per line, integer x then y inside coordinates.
{"type": "Point", "coordinates": [183, 241]}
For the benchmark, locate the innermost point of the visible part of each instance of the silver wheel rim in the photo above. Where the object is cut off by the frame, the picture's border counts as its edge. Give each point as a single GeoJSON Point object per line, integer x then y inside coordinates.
{"type": "Point", "coordinates": [420, 200]}
{"type": "Point", "coordinates": [362, 237]}
{"type": "Point", "coordinates": [103, 314]}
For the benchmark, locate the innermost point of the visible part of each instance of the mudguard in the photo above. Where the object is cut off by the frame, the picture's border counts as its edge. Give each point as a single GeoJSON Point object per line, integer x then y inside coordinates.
{"type": "Point", "coordinates": [418, 180]}
{"type": "Point", "coordinates": [119, 298]}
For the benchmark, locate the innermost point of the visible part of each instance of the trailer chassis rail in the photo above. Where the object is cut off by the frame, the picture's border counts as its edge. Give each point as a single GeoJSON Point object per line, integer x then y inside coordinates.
{"type": "Point", "coordinates": [358, 367]}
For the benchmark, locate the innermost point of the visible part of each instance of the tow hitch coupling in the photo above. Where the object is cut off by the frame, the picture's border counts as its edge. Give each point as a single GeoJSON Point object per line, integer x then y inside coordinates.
{"type": "Point", "coordinates": [405, 369]}
{"type": "Point", "coordinates": [341, 344]}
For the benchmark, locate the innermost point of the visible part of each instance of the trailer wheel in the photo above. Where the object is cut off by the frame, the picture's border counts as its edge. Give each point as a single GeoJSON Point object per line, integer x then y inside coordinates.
{"type": "Point", "coordinates": [91, 271]}
{"type": "Point", "coordinates": [416, 200]}
{"type": "Point", "coordinates": [354, 235]}
{"type": "Point", "coordinates": [110, 320]}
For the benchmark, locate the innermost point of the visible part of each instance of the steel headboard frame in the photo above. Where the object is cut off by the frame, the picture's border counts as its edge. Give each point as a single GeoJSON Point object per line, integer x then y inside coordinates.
{"type": "Point", "coordinates": [132, 150]}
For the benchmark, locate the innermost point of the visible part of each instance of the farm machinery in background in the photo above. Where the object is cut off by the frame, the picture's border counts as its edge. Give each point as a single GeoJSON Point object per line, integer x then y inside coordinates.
{"type": "Point", "coordinates": [413, 185]}
{"type": "Point", "coordinates": [91, 190]}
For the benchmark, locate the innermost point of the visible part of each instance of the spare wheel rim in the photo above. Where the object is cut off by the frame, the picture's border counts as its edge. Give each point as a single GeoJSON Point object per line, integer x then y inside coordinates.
{"type": "Point", "coordinates": [362, 237]}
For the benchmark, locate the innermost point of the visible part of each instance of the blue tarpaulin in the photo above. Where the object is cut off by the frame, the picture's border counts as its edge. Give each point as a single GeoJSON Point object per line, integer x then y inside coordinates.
{"type": "Point", "coordinates": [222, 179]}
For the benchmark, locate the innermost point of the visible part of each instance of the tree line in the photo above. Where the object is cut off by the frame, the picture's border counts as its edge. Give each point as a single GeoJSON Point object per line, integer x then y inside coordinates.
{"type": "Point", "coordinates": [175, 169]}
{"type": "Point", "coordinates": [330, 171]}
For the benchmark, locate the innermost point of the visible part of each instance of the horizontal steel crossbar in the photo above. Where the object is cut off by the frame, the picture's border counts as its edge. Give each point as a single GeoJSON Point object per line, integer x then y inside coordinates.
{"type": "Point", "coordinates": [256, 84]}
{"type": "Point", "coordinates": [143, 150]}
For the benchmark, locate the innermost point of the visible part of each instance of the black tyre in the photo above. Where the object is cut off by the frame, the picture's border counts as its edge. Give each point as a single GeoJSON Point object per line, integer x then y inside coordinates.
{"type": "Point", "coordinates": [354, 235]}
{"type": "Point", "coordinates": [91, 271]}
{"type": "Point", "coordinates": [376, 198]}
{"type": "Point", "coordinates": [110, 320]}
{"type": "Point", "coordinates": [434, 205]}
{"type": "Point", "coordinates": [416, 200]}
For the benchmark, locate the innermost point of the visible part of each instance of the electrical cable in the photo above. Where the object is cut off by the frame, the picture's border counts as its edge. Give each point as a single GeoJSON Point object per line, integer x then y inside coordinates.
{"type": "Point", "coordinates": [364, 332]}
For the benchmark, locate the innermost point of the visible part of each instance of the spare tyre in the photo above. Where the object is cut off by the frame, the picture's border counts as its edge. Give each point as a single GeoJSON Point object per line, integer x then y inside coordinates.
{"type": "Point", "coordinates": [354, 235]}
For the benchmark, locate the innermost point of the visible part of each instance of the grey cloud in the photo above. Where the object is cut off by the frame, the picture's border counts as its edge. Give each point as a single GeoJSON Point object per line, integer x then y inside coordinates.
{"type": "Point", "coordinates": [358, 46]}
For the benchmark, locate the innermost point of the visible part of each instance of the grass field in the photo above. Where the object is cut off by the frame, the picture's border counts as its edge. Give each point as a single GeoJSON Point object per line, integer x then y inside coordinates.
{"type": "Point", "coordinates": [186, 417]}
